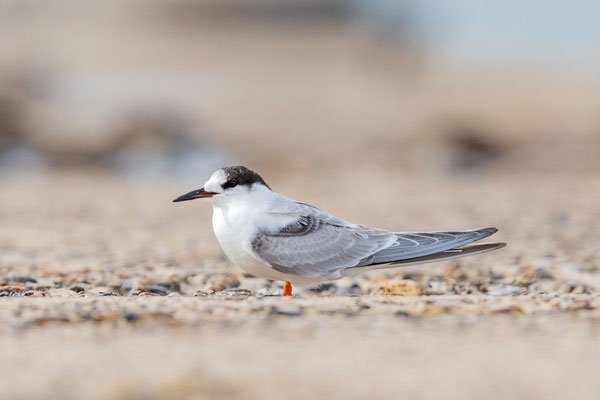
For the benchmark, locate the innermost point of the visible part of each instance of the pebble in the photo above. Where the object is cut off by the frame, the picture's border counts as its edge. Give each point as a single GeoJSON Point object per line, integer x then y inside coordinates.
{"type": "Point", "coordinates": [61, 292]}
{"type": "Point", "coordinates": [131, 317]}
{"type": "Point", "coordinates": [267, 292]}
{"type": "Point", "coordinates": [288, 310]}
{"type": "Point", "coordinates": [33, 293]}
{"type": "Point", "coordinates": [226, 281]}
{"type": "Point", "coordinates": [148, 294]}
{"type": "Point", "coordinates": [328, 287]}
{"type": "Point", "coordinates": [169, 286]}
{"type": "Point", "coordinates": [236, 292]}
{"type": "Point", "coordinates": [21, 279]}
{"type": "Point", "coordinates": [352, 290]}
{"type": "Point", "coordinates": [9, 289]}
{"type": "Point", "coordinates": [158, 290]}
{"type": "Point", "coordinates": [405, 287]}
{"type": "Point", "coordinates": [204, 293]}
{"type": "Point", "coordinates": [506, 290]}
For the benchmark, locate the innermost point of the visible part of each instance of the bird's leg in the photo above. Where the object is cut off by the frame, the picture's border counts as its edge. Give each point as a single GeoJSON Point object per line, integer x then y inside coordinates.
{"type": "Point", "coordinates": [287, 289]}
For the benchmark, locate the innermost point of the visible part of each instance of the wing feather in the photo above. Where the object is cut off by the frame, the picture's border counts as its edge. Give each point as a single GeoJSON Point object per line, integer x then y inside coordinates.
{"type": "Point", "coordinates": [318, 244]}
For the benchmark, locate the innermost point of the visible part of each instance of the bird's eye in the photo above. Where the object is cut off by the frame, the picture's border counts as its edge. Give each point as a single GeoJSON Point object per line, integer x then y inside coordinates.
{"type": "Point", "coordinates": [230, 184]}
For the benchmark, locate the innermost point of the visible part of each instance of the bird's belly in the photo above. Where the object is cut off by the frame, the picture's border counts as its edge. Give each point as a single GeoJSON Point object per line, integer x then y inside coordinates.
{"type": "Point", "coordinates": [235, 244]}
{"type": "Point", "coordinates": [238, 254]}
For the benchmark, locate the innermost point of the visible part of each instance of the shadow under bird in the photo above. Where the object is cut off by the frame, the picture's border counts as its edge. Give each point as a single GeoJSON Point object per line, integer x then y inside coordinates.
{"type": "Point", "coordinates": [274, 237]}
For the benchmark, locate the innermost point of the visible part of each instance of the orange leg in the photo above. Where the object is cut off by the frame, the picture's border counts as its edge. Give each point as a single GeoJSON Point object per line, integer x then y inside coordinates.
{"type": "Point", "coordinates": [287, 289]}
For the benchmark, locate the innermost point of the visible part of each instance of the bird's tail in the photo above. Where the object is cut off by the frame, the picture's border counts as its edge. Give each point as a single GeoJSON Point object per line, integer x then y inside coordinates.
{"type": "Point", "coordinates": [426, 247]}
{"type": "Point", "coordinates": [470, 249]}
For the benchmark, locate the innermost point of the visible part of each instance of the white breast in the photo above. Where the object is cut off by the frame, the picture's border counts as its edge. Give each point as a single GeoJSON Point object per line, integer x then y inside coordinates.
{"type": "Point", "coordinates": [235, 224]}
{"type": "Point", "coordinates": [236, 221]}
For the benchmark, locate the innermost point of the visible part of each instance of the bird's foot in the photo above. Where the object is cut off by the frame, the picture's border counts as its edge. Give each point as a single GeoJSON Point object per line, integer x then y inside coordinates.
{"type": "Point", "coordinates": [287, 289]}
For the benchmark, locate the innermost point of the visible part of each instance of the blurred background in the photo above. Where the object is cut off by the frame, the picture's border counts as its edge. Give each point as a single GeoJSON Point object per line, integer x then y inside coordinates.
{"type": "Point", "coordinates": [445, 115]}
{"type": "Point", "coordinates": [406, 115]}
{"type": "Point", "coordinates": [177, 88]}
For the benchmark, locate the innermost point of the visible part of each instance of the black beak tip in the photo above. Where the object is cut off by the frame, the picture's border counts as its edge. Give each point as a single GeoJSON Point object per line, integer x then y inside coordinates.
{"type": "Point", "coordinates": [182, 198]}
{"type": "Point", "coordinates": [196, 194]}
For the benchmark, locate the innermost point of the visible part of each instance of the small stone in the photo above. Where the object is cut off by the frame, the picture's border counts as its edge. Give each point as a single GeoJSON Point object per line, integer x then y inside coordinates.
{"type": "Point", "coordinates": [148, 294]}
{"type": "Point", "coordinates": [61, 292]}
{"type": "Point", "coordinates": [106, 317]}
{"type": "Point", "coordinates": [131, 317]}
{"type": "Point", "coordinates": [204, 293]}
{"type": "Point", "coordinates": [169, 286]}
{"type": "Point", "coordinates": [267, 292]}
{"type": "Point", "coordinates": [506, 290]}
{"type": "Point", "coordinates": [226, 281]}
{"type": "Point", "coordinates": [44, 321]}
{"type": "Point", "coordinates": [22, 279]}
{"type": "Point", "coordinates": [236, 292]}
{"type": "Point", "coordinates": [402, 313]}
{"type": "Point", "coordinates": [511, 309]}
{"type": "Point", "coordinates": [436, 309]}
{"type": "Point", "coordinates": [288, 310]}
{"type": "Point", "coordinates": [324, 288]}
{"type": "Point", "coordinates": [77, 289]}
{"type": "Point", "coordinates": [13, 289]}
{"type": "Point", "coordinates": [353, 290]}
{"type": "Point", "coordinates": [404, 287]}
{"type": "Point", "coordinates": [158, 290]}
{"type": "Point", "coordinates": [34, 293]}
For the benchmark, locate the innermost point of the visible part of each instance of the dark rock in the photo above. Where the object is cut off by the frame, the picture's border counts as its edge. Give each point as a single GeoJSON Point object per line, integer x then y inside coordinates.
{"type": "Point", "coordinates": [131, 317]}
{"type": "Point", "coordinates": [402, 313]}
{"type": "Point", "coordinates": [353, 290]}
{"type": "Point", "coordinates": [171, 286]}
{"type": "Point", "coordinates": [22, 279]}
{"type": "Point", "coordinates": [160, 290]}
{"type": "Point", "coordinates": [324, 288]}
{"type": "Point", "coordinates": [34, 293]}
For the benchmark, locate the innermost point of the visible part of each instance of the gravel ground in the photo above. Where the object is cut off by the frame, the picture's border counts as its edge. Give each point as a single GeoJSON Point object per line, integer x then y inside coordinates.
{"type": "Point", "coordinates": [110, 291]}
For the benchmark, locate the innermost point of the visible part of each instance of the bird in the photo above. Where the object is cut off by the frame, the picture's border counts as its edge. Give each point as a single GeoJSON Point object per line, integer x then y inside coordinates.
{"type": "Point", "coordinates": [274, 237]}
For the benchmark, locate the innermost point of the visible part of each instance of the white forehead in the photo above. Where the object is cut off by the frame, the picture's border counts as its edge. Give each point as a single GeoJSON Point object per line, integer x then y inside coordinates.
{"type": "Point", "coordinates": [216, 180]}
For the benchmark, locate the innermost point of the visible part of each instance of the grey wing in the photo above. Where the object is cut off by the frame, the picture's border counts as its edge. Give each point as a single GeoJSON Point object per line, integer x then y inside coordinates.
{"type": "Point", "coordinates": [318, 244]}
{"type": "Point", "coordinates": [419, 244]}
{"type": "Point", "coordinates": [313, 247]}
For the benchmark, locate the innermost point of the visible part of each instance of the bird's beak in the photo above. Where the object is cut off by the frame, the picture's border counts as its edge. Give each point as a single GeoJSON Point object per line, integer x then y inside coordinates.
{"type": "Point", "coordinates": [196, 194]}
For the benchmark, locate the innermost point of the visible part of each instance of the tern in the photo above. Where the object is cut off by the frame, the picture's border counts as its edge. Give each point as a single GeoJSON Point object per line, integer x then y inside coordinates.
{"type": "Point", "coordinates": [274, 237]}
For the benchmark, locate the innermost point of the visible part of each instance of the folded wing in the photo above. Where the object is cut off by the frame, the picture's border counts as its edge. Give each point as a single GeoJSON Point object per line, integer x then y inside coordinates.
{"type": "Point", "coordinates": [318, 244]}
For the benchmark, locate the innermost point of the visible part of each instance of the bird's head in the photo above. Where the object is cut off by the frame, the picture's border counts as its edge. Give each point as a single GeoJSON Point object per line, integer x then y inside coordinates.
{"type": "Point", "coordinates": [227, 182]}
